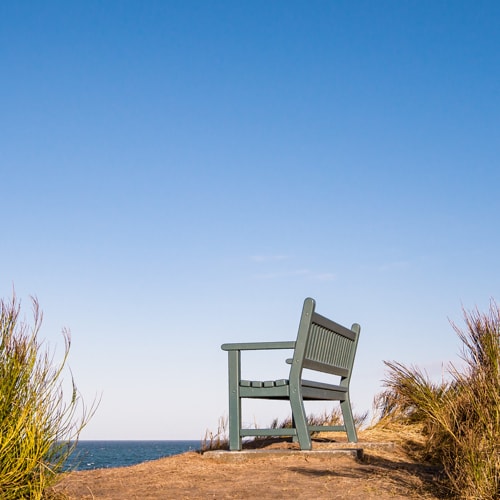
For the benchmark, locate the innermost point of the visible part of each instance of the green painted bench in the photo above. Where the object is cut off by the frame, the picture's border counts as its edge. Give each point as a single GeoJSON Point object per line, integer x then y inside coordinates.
{"type": "Point", "coordinates": [321, 346]}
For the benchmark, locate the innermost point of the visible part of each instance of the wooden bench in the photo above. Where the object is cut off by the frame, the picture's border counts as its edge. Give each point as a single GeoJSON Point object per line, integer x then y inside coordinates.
{"type": "Point", "coordinates": [321, 346]}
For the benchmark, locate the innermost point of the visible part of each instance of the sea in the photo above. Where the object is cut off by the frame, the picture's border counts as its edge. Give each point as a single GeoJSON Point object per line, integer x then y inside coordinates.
{"type": "Point", "coordinates": [90, 455]}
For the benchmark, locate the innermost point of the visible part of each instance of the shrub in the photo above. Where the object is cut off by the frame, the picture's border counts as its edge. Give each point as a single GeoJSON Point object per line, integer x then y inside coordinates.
{"type": "Point", "coordinates": [38, 429]}
{"type": "Point", "coordinates": [460, 418]}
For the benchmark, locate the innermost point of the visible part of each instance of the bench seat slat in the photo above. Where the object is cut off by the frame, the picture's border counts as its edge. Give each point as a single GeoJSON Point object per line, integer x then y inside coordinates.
{"type": "Point", "coordinates": [312, 391]}
{"type": "Point", "coordinates": [323, 385]}
{"type": "Point", "coordinates": [267, 383]}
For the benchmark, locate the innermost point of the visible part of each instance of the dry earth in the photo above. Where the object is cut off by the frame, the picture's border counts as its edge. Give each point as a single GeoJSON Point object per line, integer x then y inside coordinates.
{"type": "Point", "coordinates": [384, 471]}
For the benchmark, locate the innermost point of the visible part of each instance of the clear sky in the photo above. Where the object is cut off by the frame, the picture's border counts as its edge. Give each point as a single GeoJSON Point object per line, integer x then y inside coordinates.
{"type": "Point", "coordinates": [175, 175]}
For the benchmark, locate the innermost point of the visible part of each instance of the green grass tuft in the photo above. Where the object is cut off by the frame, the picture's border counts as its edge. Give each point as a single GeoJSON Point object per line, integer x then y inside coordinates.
{"type": "Point", "coordinates": [38, 430]}
{"type": "Point", "coordinates": [460, 418]}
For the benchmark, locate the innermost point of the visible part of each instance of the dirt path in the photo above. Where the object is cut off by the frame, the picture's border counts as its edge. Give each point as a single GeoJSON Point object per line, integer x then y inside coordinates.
{"type": "Point", "coordinates": [382, 473]}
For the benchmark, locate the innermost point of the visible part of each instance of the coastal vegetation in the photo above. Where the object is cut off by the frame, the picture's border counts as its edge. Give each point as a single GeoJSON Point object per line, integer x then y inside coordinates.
{"type": "Point", "coordinates": [458, 419]}
{"type": "Point", "coordinates": [39, 427]}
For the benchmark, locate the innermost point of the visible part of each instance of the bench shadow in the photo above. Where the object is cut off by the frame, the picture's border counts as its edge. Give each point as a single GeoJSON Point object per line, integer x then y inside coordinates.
{"type": "Point", "coordinates": [266, 442]}
{"type": "Point", "coordinates": [404, 475]}
{"type": "Point", "coordinates": [280, 442]}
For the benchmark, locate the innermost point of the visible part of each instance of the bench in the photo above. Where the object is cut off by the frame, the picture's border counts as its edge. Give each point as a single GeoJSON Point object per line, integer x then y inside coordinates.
{"type": "Point", "coordinates": [321, 346]}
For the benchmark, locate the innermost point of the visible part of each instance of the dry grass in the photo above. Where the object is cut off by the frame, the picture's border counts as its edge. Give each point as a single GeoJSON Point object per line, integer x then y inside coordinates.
{"type": "Point", "coordinates": [459, 420]}
{"type": "Point", "coordinates": [327, 418]}
{"type": "Point", "coordinates": [219, 439]}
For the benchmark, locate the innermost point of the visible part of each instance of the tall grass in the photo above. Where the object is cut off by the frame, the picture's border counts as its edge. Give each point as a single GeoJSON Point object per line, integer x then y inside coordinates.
{"type": "Point", "coordinates": [218, 440]}
{"type": "Point", "coordinates": [38, 428]}
{"type": "Point", "coordinates": [460, 418]}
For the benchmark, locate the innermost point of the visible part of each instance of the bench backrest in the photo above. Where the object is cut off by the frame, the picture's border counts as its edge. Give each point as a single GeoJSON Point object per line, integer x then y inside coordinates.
{"type": "Point", "coordinates": [323, 345]}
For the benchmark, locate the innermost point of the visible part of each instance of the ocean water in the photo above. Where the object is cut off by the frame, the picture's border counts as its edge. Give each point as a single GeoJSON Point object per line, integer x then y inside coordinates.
{"type": "Point", "coordinates": [100, 454]}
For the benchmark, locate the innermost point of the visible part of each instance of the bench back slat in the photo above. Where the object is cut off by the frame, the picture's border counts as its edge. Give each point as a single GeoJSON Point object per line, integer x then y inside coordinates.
{"type": "Point", "coordinates": [324, 345]}
{"type": "Point", "coordinates": [319, 320]}
{"type": "Point", "coordinates": [325, 368]}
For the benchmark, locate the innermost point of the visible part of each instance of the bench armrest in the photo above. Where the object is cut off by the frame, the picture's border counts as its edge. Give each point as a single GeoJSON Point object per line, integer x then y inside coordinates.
{"type": "Point", "coordinates": [256, 346]}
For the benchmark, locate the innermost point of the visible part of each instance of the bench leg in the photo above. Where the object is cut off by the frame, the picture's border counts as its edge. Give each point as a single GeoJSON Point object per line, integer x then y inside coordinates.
{"type": "Point", "coordinates": [299, 419]}
{"type": "Point", "coordinates": [345, 406]}
{"type": "Point", "coordinates": [234, 400]}
{"type": "Point", "coordinates": [295, 439]}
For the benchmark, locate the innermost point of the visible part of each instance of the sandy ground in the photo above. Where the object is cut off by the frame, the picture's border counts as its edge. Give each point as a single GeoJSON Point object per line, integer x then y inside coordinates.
{"type": "Point", "coordinates": [384, 471]}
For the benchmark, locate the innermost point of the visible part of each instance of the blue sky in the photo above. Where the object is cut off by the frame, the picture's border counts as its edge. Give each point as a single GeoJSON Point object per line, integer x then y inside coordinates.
{"type": "Point", "coordinates": [175, 175]}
